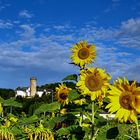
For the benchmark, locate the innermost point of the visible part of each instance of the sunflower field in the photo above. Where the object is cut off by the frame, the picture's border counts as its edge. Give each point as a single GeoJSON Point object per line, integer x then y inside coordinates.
{"type": "Point", "coordinates": [91, 108]}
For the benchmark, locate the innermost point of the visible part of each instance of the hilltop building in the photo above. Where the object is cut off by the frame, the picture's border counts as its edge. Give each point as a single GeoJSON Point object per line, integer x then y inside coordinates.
{"type": "Point", "coordinates": [31, 91]}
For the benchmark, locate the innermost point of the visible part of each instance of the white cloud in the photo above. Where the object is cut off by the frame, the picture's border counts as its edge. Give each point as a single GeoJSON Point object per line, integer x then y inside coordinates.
{"type": "Point", "coordinates": [131, 42]}
{"type": "Point", "coordinates": [62, 27]}
{"type": "Point", "coordinates": [28, 31]}
{"type": "Point", "coordinates": [131, 27]}
{"type": "Point", "coordinates": [5, 24]}
{"type": "Point", "coordinates": [127, 35]}
{"type": "Point", "coordinates": [52, 61]}
{"type": "Point", "coordinates": [59, 27]}
{"type": "Point", "coordinates": [113, 46]}
{"type": "Point", "coordinates": [25, 14]}
{"type": "Point", "coordinates": [40, 53]}
{"type": "Point", "coordinates": [133, 70]}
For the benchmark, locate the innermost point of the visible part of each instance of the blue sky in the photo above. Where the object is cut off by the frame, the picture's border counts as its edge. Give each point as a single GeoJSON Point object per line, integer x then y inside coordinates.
{"type": "Point", "coordinates": [36, 37]}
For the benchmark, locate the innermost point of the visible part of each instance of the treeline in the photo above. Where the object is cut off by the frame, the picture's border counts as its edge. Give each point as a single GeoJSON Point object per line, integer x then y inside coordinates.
{"type": "Point", "coordinates": [7, 93]}
{"type": "Point", "coordinates": [30, 104]}
{"type": "Point", "coordinates": [50, 86]}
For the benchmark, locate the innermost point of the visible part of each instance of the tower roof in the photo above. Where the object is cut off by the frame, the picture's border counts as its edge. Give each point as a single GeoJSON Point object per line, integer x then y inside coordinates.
{"type": "Point", "coordinates": [33, 78]}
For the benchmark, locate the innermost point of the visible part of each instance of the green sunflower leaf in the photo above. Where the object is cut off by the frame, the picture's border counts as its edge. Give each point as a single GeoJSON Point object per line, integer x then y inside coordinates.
{"type": "Point", "coordinates": [71, 77]}
{"type": "Point", "coordinates": [12, 102]}
{"type": "Point", "coordinates": [51, 123]}
{"type": "Point", "coordinates": [112, 133]}
{"type": "Point", "coordinates": [17, 130]}
{"type": "Point", "coordinates": [28, 120]}
{"type": "Point", "coordinates": [1, 100]}
{"type": "Point", "coordinates": [62, 131]}
{"type": "Point", "coordinates": [47, 108]}
{"type": "Point", "coordinates": [73, 95]}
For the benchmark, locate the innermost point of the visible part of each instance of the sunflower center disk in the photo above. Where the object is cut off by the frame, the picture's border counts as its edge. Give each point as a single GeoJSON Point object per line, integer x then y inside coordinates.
{"type": "Point", "coordinates": [63, 96]}
{"type": "Point", "coordinates": [126, 102]}
{"type": "Point", "coordinates": [93, 83]}
{"type": "Point", "coordinates": [83, 53]}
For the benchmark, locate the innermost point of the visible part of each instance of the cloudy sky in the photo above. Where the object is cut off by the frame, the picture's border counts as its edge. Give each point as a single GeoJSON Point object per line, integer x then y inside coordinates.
{"type": "Point", "coordinates": [36, 37]}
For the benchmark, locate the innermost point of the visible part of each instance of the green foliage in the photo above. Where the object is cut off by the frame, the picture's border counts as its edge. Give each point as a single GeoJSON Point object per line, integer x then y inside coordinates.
{"type": "Point", "coordinates": [76, 124]}
{"type": "Point", "coordinates": [28, 120]}
{"type": "Point", "coordinates": [52, 123]}
{"type": "Point", "coordinates": [71, 77]}
{"type": "Point", "coordinates": [1, 100]}
{"type": "Point", "coordinates": [12, 102]}
{"type": "Point", "coordinates": [62, 132]}
{"type": "Point", "coordinates": [72, 132]}
{"type": "Point", "coordinates": [73, 94]}
{"type": "Point", "coordinates": [113, 130]}
{"type": "Point", "coordinates": [47, 108]}
{"type": "Point", "coordinates": [18, 132]}
{"type": "Point", "coordinates": [100, 121]}
{"type": "Point", "coordinates": [7, 93]}
{"type": "Point", "coordinates": [50, 86]}
{"type": "Point", "coordinates": [70, 84]}
{"type": "Point", "coordinates": [33, 107]}
{"type": "Point", "coordinates": [31, 104]}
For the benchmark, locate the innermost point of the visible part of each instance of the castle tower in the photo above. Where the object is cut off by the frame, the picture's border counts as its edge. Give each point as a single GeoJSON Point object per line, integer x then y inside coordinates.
{"type": "Point", "coordinates": [33, 81]}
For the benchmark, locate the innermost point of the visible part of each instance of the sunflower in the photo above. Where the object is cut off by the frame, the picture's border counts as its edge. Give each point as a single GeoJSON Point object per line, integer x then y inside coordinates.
{"type": "Point", "coordinates": [80, 101]}
{"type": "Point", "coordinates": [63, 111]}
{"type": "Point", "coordinates": [62, 94]}
{"type": "Point", "coordinates": [124, 100]}
{"type": "Point", "coordinates": [38, 132]}
{"type": "Point", "coordinates": [93, 82]}
{"type": "Point", "coordinates": [83, 53]}
{"type": "Point", "coordinates": [100, 100]}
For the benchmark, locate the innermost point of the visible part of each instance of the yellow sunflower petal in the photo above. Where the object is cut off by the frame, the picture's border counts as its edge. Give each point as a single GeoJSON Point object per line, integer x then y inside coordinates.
{"type": "Point", "coordinates": [124, 100]}
{"type": "Point", "coordinates": [83, 53]}
{"type": "Point", "coordinates": [62, 94]}
{"type": "Point", "coordinates": [133, 116]}
{"type": "Point", "coordinates": [93, 82]}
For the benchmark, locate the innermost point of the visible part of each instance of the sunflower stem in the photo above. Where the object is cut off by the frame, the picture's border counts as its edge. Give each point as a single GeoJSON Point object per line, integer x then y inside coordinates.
{"type": "Point", "coordinates": [129, 137]}
{"type": "Point", "coordinates": [138, 130]}
{"type": "Point", "coordinates": [93, 112]}
{"type": "Point", "coordinates": [81, 119]}
{"type": "Point", "coordinates": [92, 129]}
